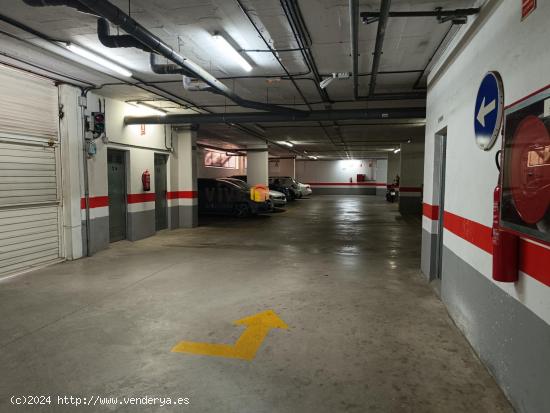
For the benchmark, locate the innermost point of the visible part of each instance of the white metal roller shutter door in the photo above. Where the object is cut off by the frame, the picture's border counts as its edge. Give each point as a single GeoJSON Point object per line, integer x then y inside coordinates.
{"type": "Point", "coordinates": [30, 207]}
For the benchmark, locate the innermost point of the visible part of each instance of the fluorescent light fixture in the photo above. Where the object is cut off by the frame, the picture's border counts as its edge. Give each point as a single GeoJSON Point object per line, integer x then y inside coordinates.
{"type": "Point", "coordinates": [397, 150]}
{"type": "Point", "coordinates": [313, 157]}
{"type": "Point", "coordinates": [98, 59]}
{"type": "Point", "coordinates": [150, 109]}
{"type": "Point", "coordinates": [229, 51]}
{"type": "Point", "coordinates": [289, 144]}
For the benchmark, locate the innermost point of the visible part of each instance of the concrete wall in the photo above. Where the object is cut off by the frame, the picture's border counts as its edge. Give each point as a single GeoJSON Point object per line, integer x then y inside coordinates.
{"type": "Point", "coordinates": [411, 173]}
{"type": "Point", "coordinates": [339, 177]}
{"type": "Point", "coordinates": [394, 166]}
{"type": "Point", "coordinates": [508, 325]}
{"type": "Point", "coordinates": [282, 167]}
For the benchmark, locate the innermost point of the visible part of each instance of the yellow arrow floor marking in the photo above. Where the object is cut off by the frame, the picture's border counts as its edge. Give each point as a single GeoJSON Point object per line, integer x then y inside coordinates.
{"type": "Point", "coordinates": [258, 325]}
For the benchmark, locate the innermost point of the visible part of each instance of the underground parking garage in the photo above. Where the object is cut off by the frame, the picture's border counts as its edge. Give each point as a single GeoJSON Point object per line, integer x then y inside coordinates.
{"type": "Point", "coordinates": [274, 206]}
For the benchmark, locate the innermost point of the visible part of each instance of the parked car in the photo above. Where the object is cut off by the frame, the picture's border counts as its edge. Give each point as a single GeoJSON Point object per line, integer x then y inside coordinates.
{"type": "Point", "coordinates": [286, 185]}
{"type": "Point", "coordinates": [219, 196]}
{"type": "Point", "coordinates": [305, 189]}
{"type": "Point", "coordinates": [277, 198]}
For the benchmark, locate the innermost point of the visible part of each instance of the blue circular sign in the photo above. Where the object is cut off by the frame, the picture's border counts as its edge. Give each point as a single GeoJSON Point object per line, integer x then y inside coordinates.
{"type": "Point", "coordinates": [488, 110]}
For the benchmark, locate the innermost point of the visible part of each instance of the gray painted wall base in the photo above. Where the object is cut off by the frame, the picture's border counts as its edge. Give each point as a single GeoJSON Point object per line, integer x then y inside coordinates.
{"type": "Point", "coordinates": [183, 216]}
{"type": "Point", "coordinates": [512, 341]}
{"type": "Point", "coordinates": [410, 205]}
{"type": "Point", "coordinates": [344, 191]}
{"type": "Point", "coordinates": [428, 263]}
{"type": "Point", "coordinates": [99, 235]}
{"type": "Point", "coordinates": [140, 225]}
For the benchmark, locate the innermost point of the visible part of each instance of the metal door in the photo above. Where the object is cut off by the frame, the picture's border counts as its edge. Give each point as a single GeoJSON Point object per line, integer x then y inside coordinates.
{"type": "Point", "coordinates": [116, 165]}
{"type": "Point", "coordinates": [161, 204]}
{"type": "Point", "coordinates": [29, 205]}
{"type": "Point", "coordinates": [441, 148]}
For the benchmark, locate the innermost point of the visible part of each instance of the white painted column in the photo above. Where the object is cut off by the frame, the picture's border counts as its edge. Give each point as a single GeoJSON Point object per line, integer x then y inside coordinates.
{"type": "Point", "coordinates": [71, 170]}
{"type": "Point", "coordinates": [183, 196]}
{"type": "Point", "coordinates": [257, 165]}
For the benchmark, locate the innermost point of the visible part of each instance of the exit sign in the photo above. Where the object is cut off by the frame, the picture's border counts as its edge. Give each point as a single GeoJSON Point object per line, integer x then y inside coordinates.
{"type": "Point", "coordinates": [527, 7]}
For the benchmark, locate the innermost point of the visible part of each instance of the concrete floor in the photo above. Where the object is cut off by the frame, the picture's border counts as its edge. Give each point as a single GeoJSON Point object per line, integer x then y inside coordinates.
{"type": "Point", "coordinates": [366, 333]}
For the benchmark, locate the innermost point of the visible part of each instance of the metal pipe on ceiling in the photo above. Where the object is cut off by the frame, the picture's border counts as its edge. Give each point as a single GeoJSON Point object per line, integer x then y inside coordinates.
{"type": "Point", "coordinates": [354, 37]}
{"type": "Point", "coordinates": [116, 16]}
{"type": "Point", "coordinates": [116, 41]}
{"type": "Point", "coordinates": [312, 116]}
{"type": "Point", "coordinates": [302, 36]}
{"type": "Point", "coordinates": [381, 32]}
{"type": "Point", "coordinates": [439, 13]}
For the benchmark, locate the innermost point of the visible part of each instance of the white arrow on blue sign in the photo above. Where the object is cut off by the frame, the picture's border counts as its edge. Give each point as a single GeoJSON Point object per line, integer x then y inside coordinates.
{"type": "Point", "coordinates": [488, 110]}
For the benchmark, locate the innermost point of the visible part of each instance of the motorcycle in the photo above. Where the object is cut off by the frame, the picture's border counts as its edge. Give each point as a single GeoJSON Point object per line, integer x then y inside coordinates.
{"type": "Point", "coordinates": [391, 193]}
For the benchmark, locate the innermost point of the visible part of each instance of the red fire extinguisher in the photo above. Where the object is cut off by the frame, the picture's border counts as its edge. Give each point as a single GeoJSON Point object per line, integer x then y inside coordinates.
{"type": "Point", "coordinates": [505, 245]}
{"type": "Point", "coordinates": [146, 180]}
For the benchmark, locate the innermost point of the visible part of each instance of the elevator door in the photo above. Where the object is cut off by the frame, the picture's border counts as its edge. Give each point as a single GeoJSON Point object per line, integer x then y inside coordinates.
{"type": "Point", "coordinates": [161, 204]}
{"type": "Point", "coordinates": [116, 166]}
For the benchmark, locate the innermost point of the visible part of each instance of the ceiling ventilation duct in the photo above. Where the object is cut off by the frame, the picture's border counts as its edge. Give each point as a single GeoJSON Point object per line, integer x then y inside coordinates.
{"type": "Point", "coordinates": [104, 36]}
{"type": "Point", "coordinates": [311, 116]}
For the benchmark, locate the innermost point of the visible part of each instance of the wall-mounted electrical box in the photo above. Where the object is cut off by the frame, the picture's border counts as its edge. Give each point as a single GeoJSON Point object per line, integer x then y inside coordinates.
{"type": "Point", "coordinates": [526, 168]}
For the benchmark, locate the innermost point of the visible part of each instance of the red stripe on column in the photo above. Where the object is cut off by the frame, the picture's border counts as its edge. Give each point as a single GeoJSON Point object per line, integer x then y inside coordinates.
{"type": "Point", "coordinates": [182, 195]}
{"type": "Point", "coordinates": [473, 232]}
{"type": "Point", "coordinates": [140, 198]}
{"type": "Point", "coordinates": [95, 202]}
{"type": "Point", "coordinates": [430, 211]}
{"type": "Point", "coordinates": [534, 260]}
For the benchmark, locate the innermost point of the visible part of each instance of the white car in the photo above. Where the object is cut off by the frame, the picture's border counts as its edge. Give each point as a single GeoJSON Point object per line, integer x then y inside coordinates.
{"type": "Point", "coordinates": [278, 198]}
{"type": "Point", "coordinates": [305, 189]}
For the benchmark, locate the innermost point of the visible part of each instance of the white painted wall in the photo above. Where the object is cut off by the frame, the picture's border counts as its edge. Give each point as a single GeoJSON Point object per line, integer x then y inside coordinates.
{"type": "Point", "coordinates": [119, 135]}
{"type": "Point", "coordinates": [411, 171]}
{"type": "Point", "coordinates": [340, 171]}
{"type": "Point", "coordinates": [496, 40]}
{"type": "Point", "coordinates": [282, 167]}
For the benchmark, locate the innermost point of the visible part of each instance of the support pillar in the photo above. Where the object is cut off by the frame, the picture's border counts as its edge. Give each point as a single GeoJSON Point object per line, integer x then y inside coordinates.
{"type": "Point", "coordinates": [183, 195]}
{"type": "Point", "coordinates": [257, 172]}
{"type": "Point", "coordinates": [70, 126]}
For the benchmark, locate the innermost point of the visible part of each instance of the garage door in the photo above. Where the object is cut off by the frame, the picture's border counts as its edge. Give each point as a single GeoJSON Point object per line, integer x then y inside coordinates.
{"type": "Point", "coordinates": [30, 207]}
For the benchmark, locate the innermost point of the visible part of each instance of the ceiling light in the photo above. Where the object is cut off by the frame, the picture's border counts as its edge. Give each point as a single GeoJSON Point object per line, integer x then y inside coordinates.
{"type": "Point", "coordinates": [313, 157]}
{"type": "Point", "coordinates": [98, 59]}
{"type": "Point", "coordinates": [230, 52]}
{"type": "Point", "coordinates": [150, 109]}
{"type": "Point", "coordinates": [289, 144]}
{"type": "Point", "coordinates": [397, 150]}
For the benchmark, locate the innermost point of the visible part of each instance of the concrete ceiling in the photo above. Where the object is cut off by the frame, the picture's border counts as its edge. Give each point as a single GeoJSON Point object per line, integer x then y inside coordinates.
{"type": "Point", "coordinates": [187, 26]}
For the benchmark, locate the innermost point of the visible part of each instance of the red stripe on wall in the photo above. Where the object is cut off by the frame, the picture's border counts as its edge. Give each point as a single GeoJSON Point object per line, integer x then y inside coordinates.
{"type": "Point", "coordinates": [430, 211]}
{"type": "Point", "coordinates": [348, 183]}
{"type": "Point", "coordinates": [534, 260]}
{"type": "Point", "coordinates": [140, 198]}
{"type": "Point", "coordinates": [473, 232]}
{"type": "Point", "coordinates": [182, 195]}
{"type": "Point", "coordinates": [95, 202]}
